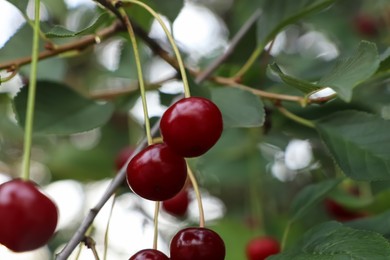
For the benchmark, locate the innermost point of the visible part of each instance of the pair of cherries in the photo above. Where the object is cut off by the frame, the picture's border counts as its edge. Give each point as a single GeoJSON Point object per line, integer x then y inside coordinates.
{"type": "Point", "coordinates": [189, 244]}
{"type": "Point", "coordinates": [190, 127]}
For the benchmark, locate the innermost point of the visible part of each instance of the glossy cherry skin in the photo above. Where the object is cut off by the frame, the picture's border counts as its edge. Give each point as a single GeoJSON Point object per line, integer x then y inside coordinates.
{"type": "Point", "coordinates": [191, 126]}
{"type": "Point", "coordinates": [197, 243]}
{"type": "Point", "coordinates": [28, 218]}
{"type": "Point", "coordinates": [262, 247]}
{"type": "Point", "coordinates": [122, 157]}
{"type": "Point", "coordinates": [149, 254]}
{"type": "Point", "coordinates": [156, 173]}
{"type": "Point", "coordinates": [178, 205]}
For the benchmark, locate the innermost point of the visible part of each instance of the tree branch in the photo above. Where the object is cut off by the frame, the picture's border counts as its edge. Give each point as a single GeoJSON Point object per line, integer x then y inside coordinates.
{"type": "Point", "coordinates": [91, 40]}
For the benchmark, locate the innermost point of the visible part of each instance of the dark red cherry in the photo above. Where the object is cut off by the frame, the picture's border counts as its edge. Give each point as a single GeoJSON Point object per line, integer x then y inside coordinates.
{"type": "Point", "coordinates": [191, 126]}
{"type": "Point", "coordinates": [197, 243]}
{"type": "Point", "coordinates": [156, 173]}
{"type": "Point", "coordinates": [28, 218]}
{"type": "Point", "coordinates": [177, 206]}
{"type": "Point", "coordinates": [149, 254]}
{"type": "Point", "coordinates": [122, 157]}
{"type": "Point", "coordinates": [341, 213]}
{"type": "Point", "coordinates": [366, 25]}
{"type": "Point", "coordinates": [262, 247]}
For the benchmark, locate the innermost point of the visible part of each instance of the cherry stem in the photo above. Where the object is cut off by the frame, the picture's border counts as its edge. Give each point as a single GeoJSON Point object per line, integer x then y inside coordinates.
{"type": "Point", "coordinates": [171, 41]}
{"type": "Point", "coordinates": [256, 203]}
{"type": "Point", "coordinates": [198, 196]}
{"type": "Point", "coordinates": [295, 118]}
{"type": "Point", "coordinates": [139, 72]}
{"type": "Point", "coordinates": [155, 235]}
{"type": "Point", "coordinates": [108, 227]}
{"type": "Point", "coordinates": [31, 97]}
{"type": "Point", "coordinates": [9, 77]}
{"type": "Point", "coordinates": [285, 235]}
{"type": "Point", "coordinates": [256, 53]}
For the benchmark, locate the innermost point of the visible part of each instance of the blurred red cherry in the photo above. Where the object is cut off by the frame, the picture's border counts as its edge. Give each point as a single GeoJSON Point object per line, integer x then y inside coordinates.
{"type": "Point", "coordinates": [260, 248]}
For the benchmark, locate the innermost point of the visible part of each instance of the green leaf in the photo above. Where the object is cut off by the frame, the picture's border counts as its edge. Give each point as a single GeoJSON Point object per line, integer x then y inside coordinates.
{"type": "Point", "coordinates": [18, 45]}
{"type": "Point", "coordinates": [51, 69]}
{"type": "Point", "coordinates": [359, 142]}
{"type": "Point", "coordinates": [239, 108]}
{"type": "Point", "coordinates": [61, 32]}
{"type": "Point", "coordinates": [60, 110]}
{"type": "Point", "coordinates": [169, 8]}
{"type": "Point", "coordinates": [302, 85]}
{"type": "Point", "coordinates": [385, 61]}
{"type": "Point", "coordinates": [310, 196]}
{"type": "Point", "coordinates": [332, 240]}
{"type": "Point", "coordinates": [349, 73]}
{"type": "Point", "coordinates": [20, 4]}
{"type": "Point", "coordinates": [199, 90]}
{"type": "Point", "coordinates": [277, 14]}
{"type": "Point", "coordinates": [379, 223]}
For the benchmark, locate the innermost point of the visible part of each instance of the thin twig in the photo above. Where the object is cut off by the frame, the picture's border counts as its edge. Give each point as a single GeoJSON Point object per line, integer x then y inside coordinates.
{"type": "Point", "coordinates": [156, 48]}
{"type": "Point", "coordinates": [261, 93]}
{"type": "Point", "coordinates": [115, 183]}
{"type": "Point", "coordinates": [233, 44]}
{"type": "Point", "coordinates": [78, 45]}
{"type": "Point", "coordinates": [195, 186]}
{"type": "Point", "coordinates": [90, 40]}
{"type": "Point", "coordinates": [91, 244]}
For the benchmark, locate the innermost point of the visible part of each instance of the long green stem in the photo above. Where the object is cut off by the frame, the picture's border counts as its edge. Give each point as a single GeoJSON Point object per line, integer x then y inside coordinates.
{"type": "Point", "coordinates": [139, 72]}
{"type": "Point", "coordinates": [41, 34]}
{"type": "Point", "coordinates": [198, 196]}
{"type": "Point", "coordinates": [296, 118]}
{"type": "Point", "coordinates": [156, 212]}
{"type": "Point", "coordinates": [285, 235]}
{"type": "Point", "coordinates": [145, 107]}
{"type": "Point", "coordinates": [106, 233]}
{"type": "Point", "coordinates": [171, 41]}
{"type": "Point", "coordinates": [31, 97]}
{"type": "Point", "coordinates": [256, 203]}
{"type": "Point", "coordinates": [256, 53]}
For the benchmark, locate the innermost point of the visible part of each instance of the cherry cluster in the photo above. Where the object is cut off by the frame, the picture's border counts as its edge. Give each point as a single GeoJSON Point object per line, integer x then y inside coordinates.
{"type": "Point", "coordinates": [189, 128]}
{"type": "Point", "coordinates": [28, 218]}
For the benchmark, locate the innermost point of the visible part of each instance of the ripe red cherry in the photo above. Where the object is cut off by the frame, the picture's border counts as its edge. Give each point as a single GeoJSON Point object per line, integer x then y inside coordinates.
{"type": "Point", "coordinates": [262, 247]}
{"type": "Point", "coordinates": [156, 173]}
{"type": "Point", "coordinates": [122, 156]}
{"type": "Point", "coordinates": [340, 213]}
{"type": "Point", "coordinates": [177, 206]}
{"type": "Point", "coordinates": [149, 254]}
{"type": "Point", "coordinates": [197, 243]}
{"type": "Point", "coordinates": [191, 126]}
{"type": "Point", "coordinates": [28, 218]}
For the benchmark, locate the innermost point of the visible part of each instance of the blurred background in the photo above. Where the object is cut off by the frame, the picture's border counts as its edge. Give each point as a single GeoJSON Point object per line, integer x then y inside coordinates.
{"type": "Point", "coordinates": [248, 179]}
